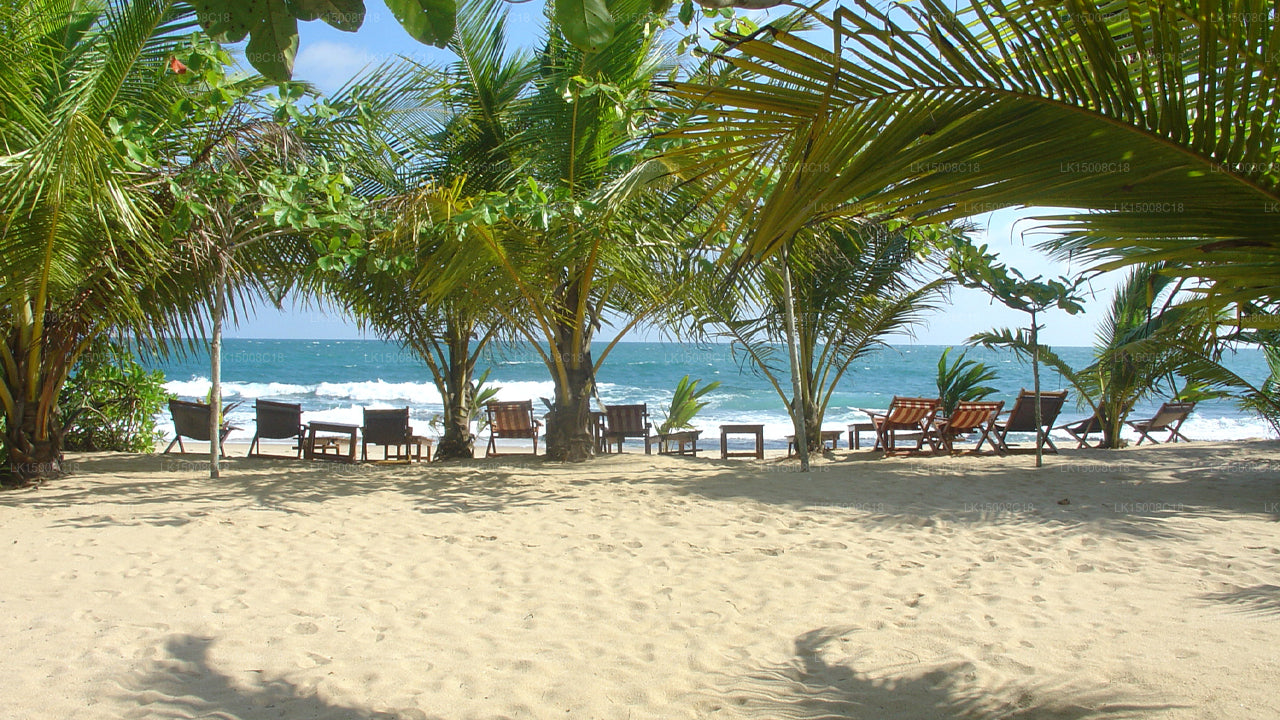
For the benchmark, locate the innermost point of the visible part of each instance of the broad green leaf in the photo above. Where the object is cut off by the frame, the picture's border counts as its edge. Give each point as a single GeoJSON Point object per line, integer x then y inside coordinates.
{"type": "Point", "coordinates": [585, 23]}
{"type": "Point", "coordinates": [345, 15]}
{"type": "Point", "coordinates": [428, 21]}
{"type": "Point", "coordinates": [228, 20]}
{"type": "Point", "coordinates": [273, 43]}
{"type": "Point", "coordinates": [686, 12]}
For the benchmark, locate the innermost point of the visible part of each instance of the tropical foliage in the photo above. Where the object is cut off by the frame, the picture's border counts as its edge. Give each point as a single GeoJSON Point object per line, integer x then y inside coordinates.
{"type": "Point", "coordinates": [272, 25]}
{"type": "Point", "coordinates": [962, 381]}
{"type": "Point", "coordinates": [686, 402]}
{"type": "Point", "coordinates": [1170, 110]}
{"type": "Point", "coordinates": [1143, 345]}
{"type": "Point", "coordinates": [583, 237]}
{"type": "Point", "coordinates": [111, 402]}
{"type": "Point", "coordinates": [79, 248]}
{"type": "Point", "coordinates": [855, 286]}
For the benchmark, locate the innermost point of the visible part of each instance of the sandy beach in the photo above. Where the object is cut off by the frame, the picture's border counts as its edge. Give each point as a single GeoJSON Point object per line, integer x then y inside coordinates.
{"type": "Point", "coordinates": [1134, 583]}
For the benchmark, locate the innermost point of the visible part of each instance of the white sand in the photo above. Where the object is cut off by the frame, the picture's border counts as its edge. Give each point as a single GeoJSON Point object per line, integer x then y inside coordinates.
{"type": "Point", "coordinates": [634, 587]}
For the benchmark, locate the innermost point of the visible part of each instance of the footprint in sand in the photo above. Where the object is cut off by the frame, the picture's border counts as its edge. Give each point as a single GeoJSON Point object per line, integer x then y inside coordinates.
{"type": "Point", "coordinates": [305, 628]}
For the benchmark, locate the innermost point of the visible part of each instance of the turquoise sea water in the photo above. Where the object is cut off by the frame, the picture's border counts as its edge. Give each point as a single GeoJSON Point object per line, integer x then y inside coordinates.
{"type": "Point", "coordinates": [335, 379]}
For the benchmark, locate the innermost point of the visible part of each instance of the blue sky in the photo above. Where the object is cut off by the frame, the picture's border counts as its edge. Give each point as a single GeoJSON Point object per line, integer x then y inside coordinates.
{"type": "Point", "coordinates": [328, 58]}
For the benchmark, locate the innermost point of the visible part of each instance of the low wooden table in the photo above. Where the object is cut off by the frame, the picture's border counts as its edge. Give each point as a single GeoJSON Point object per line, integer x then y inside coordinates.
{"type": "Point", "coordinates": [855, 433]}
{"type": "Point", "coordinates": [757, 430]}
{"type": "Point", "coordinates": [311, 451]}
{"type": "Point", "coordinates": [680, 440]}
{"type": "Point", "coordinates": [829, 438]}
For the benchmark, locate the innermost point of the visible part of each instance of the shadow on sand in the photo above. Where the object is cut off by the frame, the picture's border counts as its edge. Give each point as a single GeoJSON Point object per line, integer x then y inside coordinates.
{"type": "Point", "coordinates": [821, 681]}
{"type": "Point", "coordinates": [286, 485]}
{"type": "Point", "coordinates": [1256, 600]}
{"type": "Point", "coordinates": [184, 684]}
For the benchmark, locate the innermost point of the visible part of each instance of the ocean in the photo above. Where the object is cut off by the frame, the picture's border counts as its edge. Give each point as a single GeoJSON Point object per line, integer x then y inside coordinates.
{"type": "Point", "coordinates": [334, 379]}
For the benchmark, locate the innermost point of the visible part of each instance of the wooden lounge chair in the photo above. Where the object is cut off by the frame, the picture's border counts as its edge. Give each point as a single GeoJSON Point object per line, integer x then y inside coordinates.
{"type": "Point", "coordinates": [1082, 429]}
{"type": "Point", "coordinates": [1022, 418]}
{"type": "Point", "coordinates": [626, 421]}
{"type": "Point", "coordinates": [970, 417]}
{"type": "Point", "coordinates": [905, 414]}
{"type": "Point", "coordinates": [512, 419]}
{"type": "Point", "coordinates": [191, 420]}
{"type": "Point", "coordinates": [390, 429]}
{"type": "Point", "coordinates": [277, 421]}
{"type": "Point", "coordinates": [1169, 417]}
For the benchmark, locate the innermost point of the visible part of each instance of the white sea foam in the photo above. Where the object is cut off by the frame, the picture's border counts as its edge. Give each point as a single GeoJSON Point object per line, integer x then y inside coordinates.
{"type": "Point", "coordinates": [344, 403]}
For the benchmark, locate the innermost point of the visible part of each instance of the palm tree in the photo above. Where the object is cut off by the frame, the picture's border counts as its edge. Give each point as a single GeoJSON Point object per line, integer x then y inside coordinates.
{"type": "Point", "coordinates": [1140, 349]}
{"type": "Point", "coordinates": [427, 143]}
{"type": "Point", "coordinates": [1157, 119]}
{"type": "Point", "coordinates": [79, 247]}
{"type": "Point", "coordinates": [580, 236]}
{"type": "Point", "coordinates": [855, 286]}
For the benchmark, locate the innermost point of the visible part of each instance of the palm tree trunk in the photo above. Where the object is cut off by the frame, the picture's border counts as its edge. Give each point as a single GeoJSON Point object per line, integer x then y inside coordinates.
{"type": "Point", "coordinates": [215, 370]}
{"type": "Point", "coordinates": [1035, 375]}
{"type": "Point", "coordinates": [799, 408]}
{"type": "Point", "coordinates": [569, 437]}
{"type": "Point", "coordinates": [33, 434]}
{"type": "Point", "coordinates": [457, 441]}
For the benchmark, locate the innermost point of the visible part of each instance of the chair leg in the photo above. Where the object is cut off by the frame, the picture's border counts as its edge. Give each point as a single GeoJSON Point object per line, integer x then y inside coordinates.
{"type": "Point", "coordinates": [253, 445]}
{"type": "Point", "coordinates": [492, 449]}
{"type": "Point", "coordinates": [177, 440]}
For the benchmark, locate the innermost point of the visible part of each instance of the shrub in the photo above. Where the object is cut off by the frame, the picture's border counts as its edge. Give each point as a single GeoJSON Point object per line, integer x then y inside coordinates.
{"type": "Point", "coordinates": [962, 381]}
{"type": "Point", "coordinates": [112, 402]}
{"type": "Point", "coordinates": [686, 403]}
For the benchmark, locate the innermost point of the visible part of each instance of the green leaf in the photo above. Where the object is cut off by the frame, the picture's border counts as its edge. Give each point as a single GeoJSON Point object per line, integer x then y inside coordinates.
{"type": "Point", "coordinates": [428, 21]}
{"type": "Point", "coordinates": [229, 20]}
{"type": "Point", "coordinates": [686, 12]}
{"type": "Point", "coordinates": [345, 15]}
{"type": "Point", "coordinates": [585, 23]}
{"type": "Point", "coordinates": [273, 44]}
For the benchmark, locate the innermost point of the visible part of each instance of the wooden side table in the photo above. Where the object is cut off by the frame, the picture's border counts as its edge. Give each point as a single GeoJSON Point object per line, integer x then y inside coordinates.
{"type": "Point", "coordinates": [757, 430]}
{"type": "Point", "coordinates": [680, 440]}
{"type": "Point", "coordinates": [319, 448]}
{"type": "Point", "coordinates": [855, 433]}
{"type": "Point", "coordinates": [829, 438]}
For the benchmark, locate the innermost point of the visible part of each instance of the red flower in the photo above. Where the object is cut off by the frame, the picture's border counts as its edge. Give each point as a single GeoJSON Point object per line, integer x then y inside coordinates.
{"type": "Point", "coordinates": [177, 67]}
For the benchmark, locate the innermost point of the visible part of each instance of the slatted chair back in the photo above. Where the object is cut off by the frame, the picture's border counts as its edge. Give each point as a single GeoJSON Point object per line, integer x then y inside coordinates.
{"type": "Point", "coordinates": [190, 419]}
{"type": "Point", "coordinates": [512, 419]}
{"type": "Point", "coordinates": [972, 415]}
{"type": "Point", "coordinates": [627, 421]}
{"type": "Point", "coordinates": [1169, 415]}
{"type": "Point", "coordinates": [277, 420]}
{"type": "Point", "coordinates": [908, 412]}
{"type": "Point", "coordinates": [386, 427]}
{"type": "Point", "coordinates": [1022, 416]}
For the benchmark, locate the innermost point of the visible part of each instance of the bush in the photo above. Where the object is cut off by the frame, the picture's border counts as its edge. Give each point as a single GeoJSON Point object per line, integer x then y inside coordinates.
{"type": "Point", "coordinates": [112, 402]}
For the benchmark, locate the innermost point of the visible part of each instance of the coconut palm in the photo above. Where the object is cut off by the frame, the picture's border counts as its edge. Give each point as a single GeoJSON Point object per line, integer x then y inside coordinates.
{"type": "Point", "coordinates": [1159, 120]}
{"type": "Point", "coordinates": [855, 286]}
{"type": "Point", "coordinates": [79, 247]}
{"type": "Point", "coordinates": [427, 142]}
{"type": "Point", "coordinates": [1140, 349]}
{"type": "Point", "coordinates": [581, 237]}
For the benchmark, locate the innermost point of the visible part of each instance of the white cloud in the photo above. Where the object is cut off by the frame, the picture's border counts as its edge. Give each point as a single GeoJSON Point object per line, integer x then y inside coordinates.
{"type": "Point", "coordinates": [329, 64]}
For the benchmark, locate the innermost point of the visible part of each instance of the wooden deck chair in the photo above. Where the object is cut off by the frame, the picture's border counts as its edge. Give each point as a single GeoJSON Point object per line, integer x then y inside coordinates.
{"type": "Point", "coordinates": [1169, 417]}
{"type": "Point", "coordinates": [1022, 418]}
{"type": "Point", "coordinates": [971, 417]}
{"type": "Point", "coordinates": [277, 421]}
{"type": "Point", "coordinates": [1082, 429]}
{"type": "Point", "coordinates": [626, 421]}
{"type": "Point", "coordinates": [390, 429]}
{"type": "Point", "coordinates": [909, 414]}
{"type": "Point", "coordinates": [512, 419]}
{"type": "Point", "coordinates": [191, 420]}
